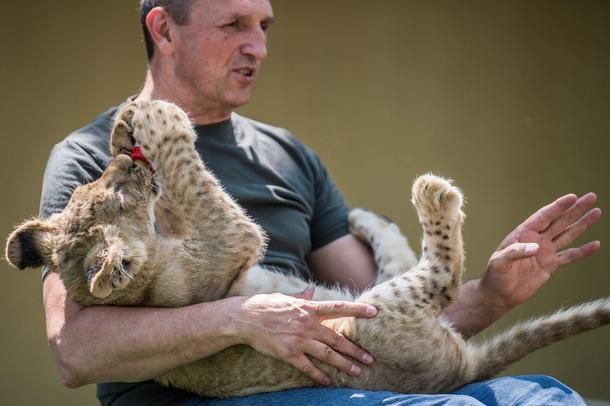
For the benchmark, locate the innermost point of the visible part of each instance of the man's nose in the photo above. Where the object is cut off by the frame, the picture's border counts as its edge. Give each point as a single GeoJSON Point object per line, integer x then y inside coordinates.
{"type": "Point", "coordinates": [256, 45]}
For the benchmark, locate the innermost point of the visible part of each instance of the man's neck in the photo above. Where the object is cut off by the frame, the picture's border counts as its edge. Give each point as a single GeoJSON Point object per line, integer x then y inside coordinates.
{"type": "Point", "coordinates": [153, 90]}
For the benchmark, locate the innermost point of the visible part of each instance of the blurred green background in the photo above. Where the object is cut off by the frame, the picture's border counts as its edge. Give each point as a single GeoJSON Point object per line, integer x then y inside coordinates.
{"type": "Point", "coordinates": [511, 99]}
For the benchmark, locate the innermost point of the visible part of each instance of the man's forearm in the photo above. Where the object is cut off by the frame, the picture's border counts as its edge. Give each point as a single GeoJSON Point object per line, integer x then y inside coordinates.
{"type": "Point", "coordinates": [474, 311]}
{"type": "Point", "coordinates": [108, 343]}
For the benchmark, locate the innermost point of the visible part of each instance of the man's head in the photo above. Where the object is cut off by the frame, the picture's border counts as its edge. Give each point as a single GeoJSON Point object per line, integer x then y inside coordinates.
{"type": "Point", "coordinates": [205, 54]}
{"type": "Point", "coordinates": [178, 10]}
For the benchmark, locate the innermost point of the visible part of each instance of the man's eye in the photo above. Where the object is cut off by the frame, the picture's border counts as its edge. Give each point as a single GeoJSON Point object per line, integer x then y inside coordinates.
{"type": "Point", "coordinates": [233, 24]}
{"type": "Point", "coordinates": [265, 26]}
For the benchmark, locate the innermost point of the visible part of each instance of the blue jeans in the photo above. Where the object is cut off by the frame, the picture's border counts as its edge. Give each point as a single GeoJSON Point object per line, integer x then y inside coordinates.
{"type": "Point", "coordinates": [512, 390]}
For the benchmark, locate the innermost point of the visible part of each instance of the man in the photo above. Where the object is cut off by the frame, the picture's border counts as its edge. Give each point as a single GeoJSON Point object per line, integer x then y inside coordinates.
{"type": "Point", "coordinates": [204, 55]}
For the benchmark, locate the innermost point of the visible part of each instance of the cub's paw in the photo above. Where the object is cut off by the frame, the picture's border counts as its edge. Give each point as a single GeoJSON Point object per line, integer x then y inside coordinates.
{"type": "Point", "coordinates": [153, 125]}
{"type": "Point", "coordinates": [435, 198]}
{"type": "Point", "coordinates": [365, 225]}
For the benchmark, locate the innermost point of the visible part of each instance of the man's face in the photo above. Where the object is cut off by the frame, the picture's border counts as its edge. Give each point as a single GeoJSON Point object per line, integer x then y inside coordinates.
{"type": "Point", "coordinates": [219, 52]}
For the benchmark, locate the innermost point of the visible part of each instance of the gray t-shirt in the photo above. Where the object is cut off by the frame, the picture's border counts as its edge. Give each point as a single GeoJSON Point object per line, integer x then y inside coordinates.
{"type": "Point", "coordinates": [280, 182]}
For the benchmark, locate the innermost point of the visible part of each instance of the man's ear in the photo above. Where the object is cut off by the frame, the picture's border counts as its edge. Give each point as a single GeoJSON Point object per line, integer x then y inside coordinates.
{"type": "Point", "coordinates": [158, 24]}
{"type": "Point", "coordinates": [30, 245]}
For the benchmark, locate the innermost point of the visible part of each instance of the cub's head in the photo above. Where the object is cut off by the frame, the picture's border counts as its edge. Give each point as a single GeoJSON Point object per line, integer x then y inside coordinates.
{"type": "Point", "coordinates": [101, 240]}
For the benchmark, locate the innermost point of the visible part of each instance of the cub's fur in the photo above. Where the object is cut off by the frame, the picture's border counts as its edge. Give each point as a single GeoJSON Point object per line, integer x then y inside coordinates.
{"type": "Point", "coordinates": [107, 249]}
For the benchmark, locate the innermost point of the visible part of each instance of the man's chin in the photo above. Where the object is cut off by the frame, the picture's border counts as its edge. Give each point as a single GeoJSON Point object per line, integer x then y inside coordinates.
{"type": "Point", "coordinates": [237, 101]}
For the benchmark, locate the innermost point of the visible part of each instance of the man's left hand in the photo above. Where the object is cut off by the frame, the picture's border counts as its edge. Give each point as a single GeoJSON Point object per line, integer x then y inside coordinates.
{"type": "Point", "coordinates": [528, 256]}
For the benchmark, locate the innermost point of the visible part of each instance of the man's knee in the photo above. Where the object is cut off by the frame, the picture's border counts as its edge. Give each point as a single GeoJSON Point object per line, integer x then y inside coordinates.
{"type": "Point", "coordinates": [553, 388]}
{"type": "Point", "coordinates": [454, 400]}
{"type": "Point", "coordinates": [522, 390]}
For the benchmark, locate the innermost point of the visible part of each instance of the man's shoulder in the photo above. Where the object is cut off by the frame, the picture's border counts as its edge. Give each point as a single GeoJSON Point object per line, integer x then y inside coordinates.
{"type": "Point", "coordinates": [280, 142]}
{"type": "Point", "coordinates": [94, 135]}
{"type": "Point", "coordinates": [279, 135]}
{"type": "Point", "coordinates": [80, 157]}
{"type": "Point", "coordinates": [264, 129]}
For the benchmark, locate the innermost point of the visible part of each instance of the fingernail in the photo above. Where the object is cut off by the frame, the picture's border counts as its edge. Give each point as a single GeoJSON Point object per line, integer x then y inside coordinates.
{"type": "Point", "coordinates": [531, 248]}
{"type": "Point", "coordinates": [371, 310]}
{"type": "Point", "coordinates": [368, 359]}
{"type": "Point", "coordinates": [326, 381]}
{"type": "Point", "coordinates": [354, 370]}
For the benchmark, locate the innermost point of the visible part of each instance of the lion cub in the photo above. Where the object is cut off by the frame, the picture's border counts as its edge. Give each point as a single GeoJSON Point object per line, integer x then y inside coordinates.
{"type": "Point", "coordinates": [107, 251]}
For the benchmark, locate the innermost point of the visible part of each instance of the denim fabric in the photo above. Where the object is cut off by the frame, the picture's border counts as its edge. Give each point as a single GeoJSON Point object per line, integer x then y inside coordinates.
{"type": "Point", "coordinates": [534, 390]}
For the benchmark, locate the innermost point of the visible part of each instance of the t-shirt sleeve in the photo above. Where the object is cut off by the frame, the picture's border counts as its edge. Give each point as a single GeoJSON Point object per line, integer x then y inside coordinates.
{"type": "Point", "coordinates": [329, 221]}
{"type": "Point", "coordinates": [80, 158]}
{"type": "Point", "coordinates": [68, 167]}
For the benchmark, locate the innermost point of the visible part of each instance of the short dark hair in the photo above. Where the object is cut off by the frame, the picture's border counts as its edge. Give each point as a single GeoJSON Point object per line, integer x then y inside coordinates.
{"type": "Point", "coordinates": [178, 10]}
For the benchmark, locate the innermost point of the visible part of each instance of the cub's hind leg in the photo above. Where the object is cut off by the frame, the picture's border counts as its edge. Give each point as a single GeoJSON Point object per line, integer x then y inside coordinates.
{"type": "Point", "coordinates": [393, 255]}
{"type": "Point", "coordinates": [439, 208]}
{"type": "Point", "coordinates": [436, 279]}
{"type": "Point", "coordinates": [414, 350]}
{"type": "Point", "coordinates": [258, 279]}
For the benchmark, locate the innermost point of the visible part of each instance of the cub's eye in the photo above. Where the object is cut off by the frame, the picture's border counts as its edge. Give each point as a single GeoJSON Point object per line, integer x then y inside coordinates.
{"type": "Point", "coordinates": [120, 186]}
{"type": "Point", "coordinates": [117, 199]}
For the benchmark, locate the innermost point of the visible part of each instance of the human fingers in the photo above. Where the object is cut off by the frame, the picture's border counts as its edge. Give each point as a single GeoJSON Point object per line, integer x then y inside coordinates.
{"type": "Point", "coordinates": [336, 309]}
{"type": "Point", "coordinates": [574, 254]}
{"type": "Point", "coordinates": [540, 220]}
{"type": "Point", "coordinates": [503, 258]}
{"type": "Point", "coordinates": [331, 357]}
{"type": "Point", "coordinates": [338, 342]}
{"type": "Point", "coordinates": [304, 364]}
{"type": "Point", "coordinates": [575, 230]}
{"type": "Point", "coordinates": [575, 212]}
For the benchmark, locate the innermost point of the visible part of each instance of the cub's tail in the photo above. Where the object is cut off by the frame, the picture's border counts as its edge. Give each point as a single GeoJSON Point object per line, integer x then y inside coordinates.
{"type": "Point", "coordinates": [493, 356]}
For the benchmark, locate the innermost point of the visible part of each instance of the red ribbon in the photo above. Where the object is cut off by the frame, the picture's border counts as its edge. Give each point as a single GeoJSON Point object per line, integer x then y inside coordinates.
{"type": "Point", "coordinates": [136, 154]}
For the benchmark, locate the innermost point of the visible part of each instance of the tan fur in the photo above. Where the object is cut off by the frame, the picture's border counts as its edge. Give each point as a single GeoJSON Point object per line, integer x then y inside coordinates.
{"type": "Point", "coordinates": [109, 250]}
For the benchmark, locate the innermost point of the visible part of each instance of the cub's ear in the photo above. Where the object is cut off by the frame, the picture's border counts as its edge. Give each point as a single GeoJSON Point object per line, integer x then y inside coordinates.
{"type": "Point", "coordinates": [110, 262]}
{"type": "Point", "coordinates": [30, 245]}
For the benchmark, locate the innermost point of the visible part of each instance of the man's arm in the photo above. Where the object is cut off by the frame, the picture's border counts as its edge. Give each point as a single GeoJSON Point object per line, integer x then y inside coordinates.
{"type": "Point", "coordinates": [112, 343]}
{"type": "Point", "coordinates": [522, 263]}
{"type": "Point", "coordinates": [106, 343]}
{"type": "Point", "coordinates": [346, 261]}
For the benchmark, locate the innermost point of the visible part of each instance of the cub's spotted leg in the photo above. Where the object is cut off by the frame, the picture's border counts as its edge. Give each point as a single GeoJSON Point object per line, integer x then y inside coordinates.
{"type": "Point", "coordinates": [439, 208]}
{"type": "Point", "coordinates": [166, 137]}
{"type": "Point", "coordinates": [261, 280]}
{"type": "Point", "coordinates": [222, 235]}
{"type": "Point", "coordinates": [392, 252]}
{"type": "Point", "coordinates": [435, 281]}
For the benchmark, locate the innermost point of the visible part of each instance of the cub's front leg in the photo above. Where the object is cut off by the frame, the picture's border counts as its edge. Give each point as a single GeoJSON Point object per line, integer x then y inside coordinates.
{"type": "Point", "coordinates": [223, 240]}
{"type": "Point", "coordinates": [167, 139]}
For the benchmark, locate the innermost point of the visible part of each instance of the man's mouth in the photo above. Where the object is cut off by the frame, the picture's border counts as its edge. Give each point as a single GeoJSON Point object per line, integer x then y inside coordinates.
{"type": "Point", "coordinates": [246, 72]}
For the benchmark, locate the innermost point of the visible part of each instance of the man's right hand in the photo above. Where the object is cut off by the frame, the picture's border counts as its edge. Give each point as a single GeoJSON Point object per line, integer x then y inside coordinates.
{"type": "Point", "coordinates": [290, 328]}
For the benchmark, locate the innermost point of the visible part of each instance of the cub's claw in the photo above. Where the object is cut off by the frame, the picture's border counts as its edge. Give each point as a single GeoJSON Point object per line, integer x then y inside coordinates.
{"type": "Point", "coordinates": [121, 139]}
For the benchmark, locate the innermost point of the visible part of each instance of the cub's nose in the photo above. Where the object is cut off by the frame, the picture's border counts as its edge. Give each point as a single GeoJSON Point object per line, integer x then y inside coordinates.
{"type": "Point", "coordinates": [121, 162]}
{"type": "Point", "coordinates": [119, 165]}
